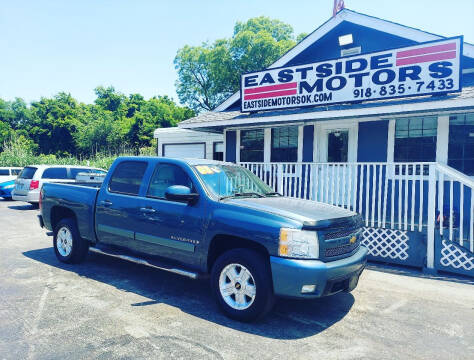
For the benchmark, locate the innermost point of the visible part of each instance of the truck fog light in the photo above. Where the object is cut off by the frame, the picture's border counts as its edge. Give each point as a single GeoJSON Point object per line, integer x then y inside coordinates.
{"type": "Point", "coordinates": [308, 289]}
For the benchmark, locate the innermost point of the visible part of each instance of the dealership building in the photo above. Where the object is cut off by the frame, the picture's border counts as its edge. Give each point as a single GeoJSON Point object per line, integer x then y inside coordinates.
{"type": "Point", "coordinates": [373, 116]}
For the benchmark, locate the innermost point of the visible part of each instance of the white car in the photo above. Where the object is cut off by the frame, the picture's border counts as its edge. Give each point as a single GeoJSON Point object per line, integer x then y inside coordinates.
{"type": "Point", "coordinates": [31, 179]}
{"type": "Point", "coordinates": [9, 173]}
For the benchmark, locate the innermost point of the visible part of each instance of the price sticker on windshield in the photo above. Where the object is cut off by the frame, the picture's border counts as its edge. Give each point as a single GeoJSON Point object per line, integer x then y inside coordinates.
{"type": "Point", "coordinates": [204, 170]}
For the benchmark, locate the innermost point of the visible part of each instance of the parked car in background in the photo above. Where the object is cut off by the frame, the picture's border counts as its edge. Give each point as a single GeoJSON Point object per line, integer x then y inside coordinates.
{"type": "Point", "coordinates": [31, 179]}
{"type": "Point", "coordinates": [7, 181]}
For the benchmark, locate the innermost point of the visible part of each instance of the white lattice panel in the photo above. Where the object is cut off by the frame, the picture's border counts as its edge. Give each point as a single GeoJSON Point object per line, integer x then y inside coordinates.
{"type": "Point", "coordinates": [386, 243]}
{"type": "Point", "coordinates": [457, 258]}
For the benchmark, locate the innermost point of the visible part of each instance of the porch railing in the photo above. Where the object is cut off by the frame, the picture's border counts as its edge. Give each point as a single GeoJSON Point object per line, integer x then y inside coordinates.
{"type": "Point", "coordinates": [455, 205]}
{"type": "Point", "coordinates": [423, 197]}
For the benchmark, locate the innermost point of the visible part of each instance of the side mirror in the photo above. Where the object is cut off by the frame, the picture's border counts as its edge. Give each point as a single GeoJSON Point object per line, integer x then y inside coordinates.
{"type": "Point", "coordinates": [181, 193]}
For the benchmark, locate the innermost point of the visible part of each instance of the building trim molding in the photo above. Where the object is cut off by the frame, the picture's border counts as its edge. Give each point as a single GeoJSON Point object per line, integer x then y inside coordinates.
{"type": "Point", "coordinates": [403, 110]}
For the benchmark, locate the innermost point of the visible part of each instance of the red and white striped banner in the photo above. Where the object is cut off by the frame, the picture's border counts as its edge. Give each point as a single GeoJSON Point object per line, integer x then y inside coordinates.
{"type": "Point", "coordinates": [427, 54]}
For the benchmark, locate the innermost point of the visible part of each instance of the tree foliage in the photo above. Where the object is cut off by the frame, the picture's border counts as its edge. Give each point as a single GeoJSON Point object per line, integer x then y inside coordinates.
{"type": "Point", "coordinates": [210, 73]}
{"type": "Point", "coordinates": [62, 127]}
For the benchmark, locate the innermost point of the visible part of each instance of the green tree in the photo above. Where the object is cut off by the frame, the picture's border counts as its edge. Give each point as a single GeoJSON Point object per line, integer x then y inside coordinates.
{"type": "Point", "coordinates": [129, 126]}
{"type": "Point", "coordinates": [160, 111]}
{"type": "Point", "coordinates": [109, 99]}
{"type": "Point", "coordinates": [53, 123]}
{"type": "Point", "coordinates": [276, 28]}
{"type": "Point", "coordinates": [7, 114]}
{"type": "Point", "coordinates": [6, 132]}
{"type": "Point", "coordinates": [96, 131]}
{"type": "Point", "coordinates": [209, 73]}
{"type": "Point", "coordinates": [113, 124]}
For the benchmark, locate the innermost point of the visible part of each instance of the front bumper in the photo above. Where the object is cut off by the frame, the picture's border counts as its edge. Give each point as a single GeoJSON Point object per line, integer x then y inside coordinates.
{"type": "Point", "coordinates": [6, 192]}
{"type": "Point", "coordinates": [289, 275]}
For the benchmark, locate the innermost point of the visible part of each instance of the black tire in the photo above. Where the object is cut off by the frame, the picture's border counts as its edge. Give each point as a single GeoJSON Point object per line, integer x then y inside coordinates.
{"type": "Point", "coordinates": [80, 247]}
{"type": "Point", "coordinates": [259, 268]}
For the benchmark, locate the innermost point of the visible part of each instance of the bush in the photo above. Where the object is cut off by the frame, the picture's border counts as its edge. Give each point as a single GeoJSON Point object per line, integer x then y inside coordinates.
{"type": "Point", "coordinates": [19, 151]}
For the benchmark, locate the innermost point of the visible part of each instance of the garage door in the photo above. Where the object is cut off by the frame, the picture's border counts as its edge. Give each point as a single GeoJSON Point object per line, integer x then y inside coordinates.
{"type": "Point", "coordinates": [196, 150]}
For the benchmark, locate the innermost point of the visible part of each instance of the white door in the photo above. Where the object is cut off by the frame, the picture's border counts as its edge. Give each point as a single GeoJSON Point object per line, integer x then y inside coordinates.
{"type": "Point", "coordinates": [337, 146]}
{"type": "Point", "coordinates": [195, 150]}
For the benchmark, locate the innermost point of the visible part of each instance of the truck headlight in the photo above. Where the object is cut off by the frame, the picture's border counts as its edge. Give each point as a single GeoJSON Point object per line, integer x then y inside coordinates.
{"type": "Point", "coordinates": [297, 243]}
{"type": "Point", "coordinates": [9, 186]}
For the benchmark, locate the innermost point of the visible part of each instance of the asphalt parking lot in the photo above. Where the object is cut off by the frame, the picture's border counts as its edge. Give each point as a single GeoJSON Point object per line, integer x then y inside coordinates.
{"type": "Point", "coordinates": [108, 308]}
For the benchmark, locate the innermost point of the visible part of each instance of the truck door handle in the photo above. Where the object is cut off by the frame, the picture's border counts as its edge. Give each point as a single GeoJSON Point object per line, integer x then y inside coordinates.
{"type": "Point", "coordinates": [147, 210]}
{"type": "Point", "coordinates": [106, 203]}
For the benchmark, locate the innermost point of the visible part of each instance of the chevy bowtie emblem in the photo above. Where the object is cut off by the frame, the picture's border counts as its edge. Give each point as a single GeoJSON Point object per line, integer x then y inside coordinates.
{"type": "Point", "coordinates": [353, 240]}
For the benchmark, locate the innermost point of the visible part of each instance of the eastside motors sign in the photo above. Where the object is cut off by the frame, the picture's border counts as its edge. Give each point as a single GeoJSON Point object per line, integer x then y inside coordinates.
{"type": "Point", "coordinates": [428, 68]}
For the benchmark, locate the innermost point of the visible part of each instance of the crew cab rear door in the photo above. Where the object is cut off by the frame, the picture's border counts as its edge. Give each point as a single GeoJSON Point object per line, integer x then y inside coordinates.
{"type": "Point", "coordinates": [118, 205]}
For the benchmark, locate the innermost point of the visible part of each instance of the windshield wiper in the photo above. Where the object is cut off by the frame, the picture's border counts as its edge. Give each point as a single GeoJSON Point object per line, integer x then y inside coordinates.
{"type": "Point", "coordinates": [273, 193]}
{"type": "Point", "coordinates": [249, 193]}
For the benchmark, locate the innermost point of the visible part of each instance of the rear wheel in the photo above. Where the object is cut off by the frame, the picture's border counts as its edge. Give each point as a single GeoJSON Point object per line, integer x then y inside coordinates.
{"type": "Point", "coordinates": [242, 284]}
{"type": "Point", "coordinates": [69, 247]}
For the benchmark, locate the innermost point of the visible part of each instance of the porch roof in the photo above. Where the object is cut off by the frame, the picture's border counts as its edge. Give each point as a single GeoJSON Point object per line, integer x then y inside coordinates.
{"type": "Point", "coordinates": [217, 121]}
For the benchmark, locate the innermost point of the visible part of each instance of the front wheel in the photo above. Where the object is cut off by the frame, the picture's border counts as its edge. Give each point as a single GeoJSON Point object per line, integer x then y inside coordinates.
{"type": "Point", "coordinates": [69, 247]}
{"type": "Point", "coordinates": [242, 284]}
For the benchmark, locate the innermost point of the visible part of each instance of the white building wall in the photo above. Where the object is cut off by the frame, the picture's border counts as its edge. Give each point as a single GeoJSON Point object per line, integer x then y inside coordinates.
{"type": "Point", "coordinates": [183, 136]}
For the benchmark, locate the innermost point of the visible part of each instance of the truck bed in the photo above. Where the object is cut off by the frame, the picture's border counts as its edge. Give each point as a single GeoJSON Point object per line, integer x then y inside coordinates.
{"type": "Point", "coordinates": [80, 198]}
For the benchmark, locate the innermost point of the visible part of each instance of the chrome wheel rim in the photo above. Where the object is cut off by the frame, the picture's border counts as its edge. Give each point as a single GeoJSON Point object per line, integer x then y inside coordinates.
{"type": "Point", "coordinates": [237, 286]}
{"type": "Point", "coordinates": [64, 241]}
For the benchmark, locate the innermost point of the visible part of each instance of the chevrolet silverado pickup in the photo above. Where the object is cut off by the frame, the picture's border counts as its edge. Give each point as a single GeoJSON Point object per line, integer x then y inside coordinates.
{"type": "Point", "coordinates": [203, 218]}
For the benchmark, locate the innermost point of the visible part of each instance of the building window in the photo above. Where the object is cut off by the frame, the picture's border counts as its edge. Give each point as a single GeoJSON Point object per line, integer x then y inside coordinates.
{"type": "Point", "coordinates": [251, 145]}
{"type": "Point", "coordinates": [284, 144]}
{"type": "Point", "coordinates": [461, 143]}
{"type": "Point", "coordinates": [415, 139]}
{"type": "Point", "coordinates": [218, 151]}
{"type": "Point", "coordinates": [338, 145]}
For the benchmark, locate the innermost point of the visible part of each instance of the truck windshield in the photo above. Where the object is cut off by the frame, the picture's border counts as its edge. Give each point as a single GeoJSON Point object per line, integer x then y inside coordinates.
{"type": "Point", "coordinates": [232, 181]}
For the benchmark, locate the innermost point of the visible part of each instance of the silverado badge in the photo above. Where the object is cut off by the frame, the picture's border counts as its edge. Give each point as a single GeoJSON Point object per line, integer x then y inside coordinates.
{"type": "Point", "coordinates": [352, 240]}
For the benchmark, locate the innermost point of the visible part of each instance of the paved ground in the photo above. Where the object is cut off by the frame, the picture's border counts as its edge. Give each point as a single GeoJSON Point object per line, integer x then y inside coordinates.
{"type": "Point", "coordinates": [108, 308]}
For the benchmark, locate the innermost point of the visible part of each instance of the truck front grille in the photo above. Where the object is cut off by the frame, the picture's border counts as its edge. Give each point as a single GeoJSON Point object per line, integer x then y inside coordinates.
{"type": "Point", "coordinates": [340, 233]}
{"type": "Point", "coordinates": [341, 250]}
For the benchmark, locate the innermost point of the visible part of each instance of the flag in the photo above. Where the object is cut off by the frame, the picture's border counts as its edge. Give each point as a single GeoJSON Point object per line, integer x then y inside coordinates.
{"type": "Point", "coordinates": [338, 6]}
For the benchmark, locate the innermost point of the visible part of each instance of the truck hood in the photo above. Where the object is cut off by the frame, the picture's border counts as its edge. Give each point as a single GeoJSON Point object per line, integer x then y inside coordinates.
{"type": "Point", "coordinates": [310, 213]}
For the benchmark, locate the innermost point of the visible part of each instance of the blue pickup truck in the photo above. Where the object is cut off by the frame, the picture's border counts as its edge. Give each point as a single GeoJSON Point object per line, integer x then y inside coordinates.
{"type": "Point", "coordinates": [202, 218]}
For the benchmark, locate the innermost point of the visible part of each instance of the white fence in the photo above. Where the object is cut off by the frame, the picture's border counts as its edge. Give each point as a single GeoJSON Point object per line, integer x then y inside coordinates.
{"type": "Point", "coordinates": [400, 196]}
{"type": "Point", "coordinates": [450, 178]}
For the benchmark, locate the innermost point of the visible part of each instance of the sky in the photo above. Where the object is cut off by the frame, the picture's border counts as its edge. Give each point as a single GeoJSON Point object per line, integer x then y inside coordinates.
{"type": "Point", "coordinates": [49, 46]}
